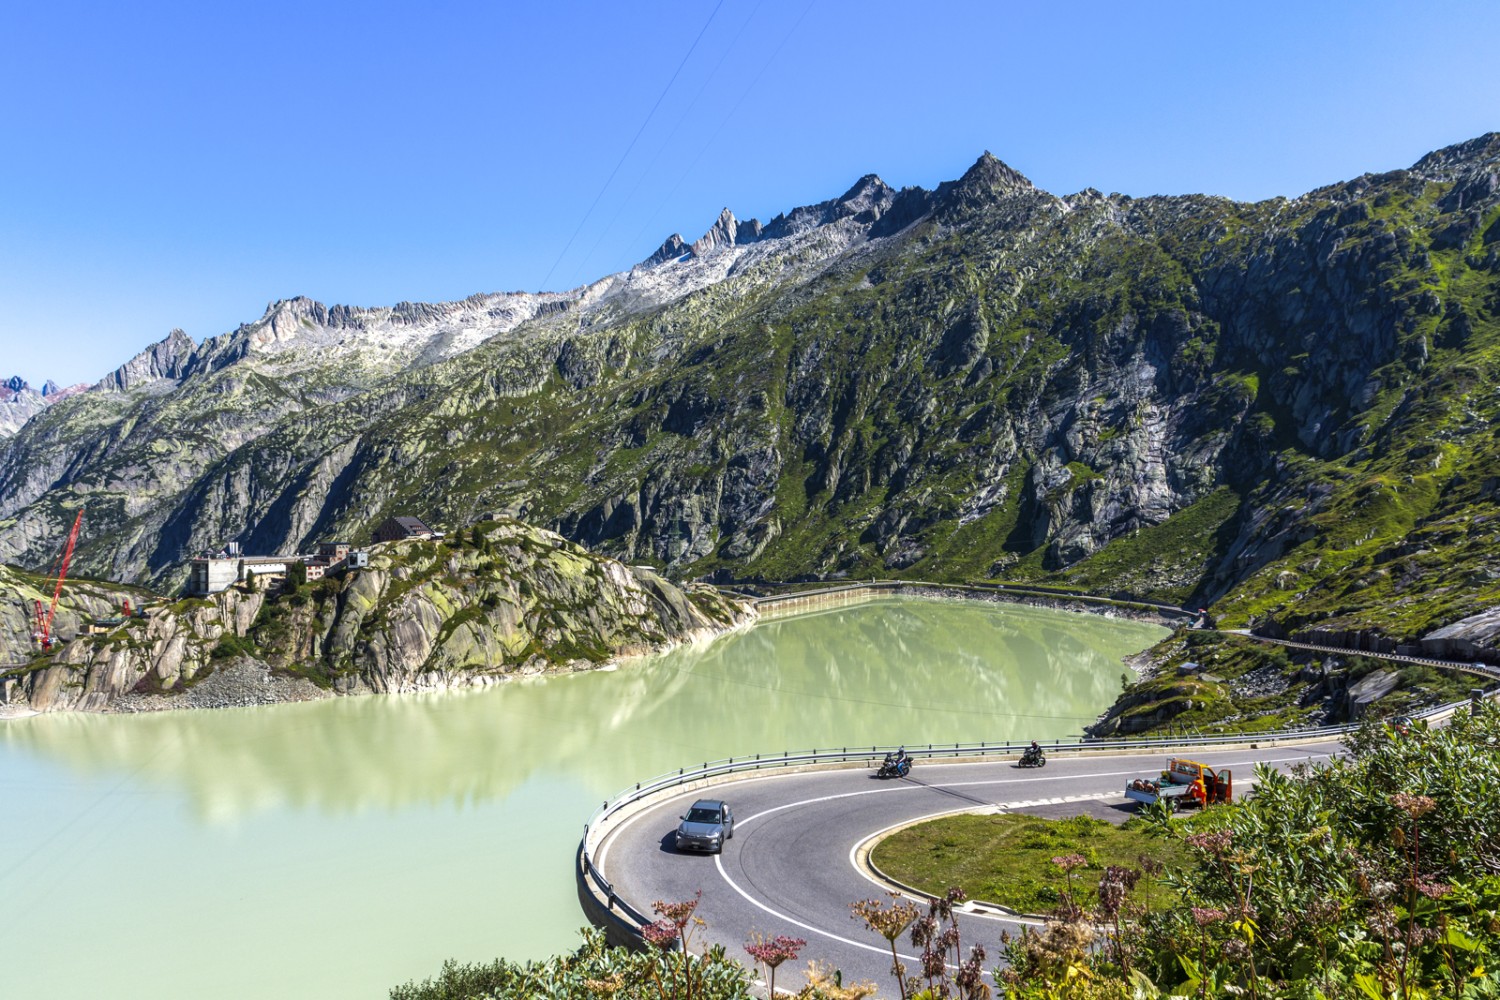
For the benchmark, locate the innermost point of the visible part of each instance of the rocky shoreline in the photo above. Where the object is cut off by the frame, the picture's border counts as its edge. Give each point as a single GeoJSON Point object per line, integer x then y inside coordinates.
{"type": "Point", "coordinates": [507, 600]}
{"type": "Point", "coordinates": [246, 682]}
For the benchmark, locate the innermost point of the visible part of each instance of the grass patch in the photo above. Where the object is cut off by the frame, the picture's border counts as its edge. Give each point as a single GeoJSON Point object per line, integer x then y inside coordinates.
{"type": "Point", "coordinates": [1007, 859]}
{"type": "Point", "coordinates": [1164, 562]}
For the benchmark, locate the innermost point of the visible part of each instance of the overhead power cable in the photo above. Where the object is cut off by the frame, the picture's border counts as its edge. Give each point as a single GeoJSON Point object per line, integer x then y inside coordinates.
{"type": "Point", "coordinates": [725, 51]}
{"type": "Point", "coordinates": [633, 141]}
{"type": "Point", "coordinates": [755, 80]}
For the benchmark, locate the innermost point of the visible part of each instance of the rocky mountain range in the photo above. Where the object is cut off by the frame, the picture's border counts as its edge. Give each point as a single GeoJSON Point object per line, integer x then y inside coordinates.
{"type": "Point", "coordinates": [1286, 410]}
{"type": "Point", "coordinates": [19, 402]}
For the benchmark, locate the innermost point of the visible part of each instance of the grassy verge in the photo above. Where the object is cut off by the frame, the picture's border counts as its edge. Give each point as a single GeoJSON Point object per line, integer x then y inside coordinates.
{"type": "Point", "coordinates": [1007, 859]}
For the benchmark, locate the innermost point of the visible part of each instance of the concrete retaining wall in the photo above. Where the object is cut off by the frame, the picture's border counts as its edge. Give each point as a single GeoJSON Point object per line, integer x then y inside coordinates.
{"type": "Point", "coordinates": [782, 605]}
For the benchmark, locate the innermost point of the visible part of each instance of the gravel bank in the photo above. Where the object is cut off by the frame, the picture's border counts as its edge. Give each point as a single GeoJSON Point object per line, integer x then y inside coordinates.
{"type": "Point", "coordinates": [238, 684]}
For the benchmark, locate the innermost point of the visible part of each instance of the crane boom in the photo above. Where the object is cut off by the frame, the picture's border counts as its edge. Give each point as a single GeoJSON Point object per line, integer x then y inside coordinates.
{"type": "Point", "coordinates": [44, 625]}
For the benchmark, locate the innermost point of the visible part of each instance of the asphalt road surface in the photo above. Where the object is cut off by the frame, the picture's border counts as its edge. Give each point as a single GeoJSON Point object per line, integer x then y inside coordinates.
{"type": "Point", "coordinates": [790, 867]}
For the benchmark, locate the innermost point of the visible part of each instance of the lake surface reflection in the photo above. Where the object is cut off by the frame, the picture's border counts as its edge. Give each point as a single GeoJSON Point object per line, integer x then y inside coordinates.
{"type": "Point", "coordinates": [335, 848]}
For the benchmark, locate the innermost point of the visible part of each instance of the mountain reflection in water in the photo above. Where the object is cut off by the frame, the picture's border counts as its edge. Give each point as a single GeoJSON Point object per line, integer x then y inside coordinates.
{"type": "Point", "coordinates": [890, 671]}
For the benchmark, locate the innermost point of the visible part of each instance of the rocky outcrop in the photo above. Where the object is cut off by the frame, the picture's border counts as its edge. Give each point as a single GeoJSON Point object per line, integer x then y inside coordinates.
{"type": "Point", "coordinates": [1147, 711]}
{"type": "Point", "coordinates": [1368, 690]}
{"type": "Point", "coordinates": [672, 248]}
{"type": "Point", "coordinates": [423, 615]}
{"type": "Point", "coordinates": [169, 649]}
{"type": "Point", "coordinates": [167, 359]}
{"type": "Point", "coordinates": [1476, 637]}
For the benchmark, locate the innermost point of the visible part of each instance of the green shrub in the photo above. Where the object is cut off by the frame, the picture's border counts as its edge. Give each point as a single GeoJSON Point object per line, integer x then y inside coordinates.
{"type": "Point", "coordinates": [1376, 874]}
{"type": "Point", "coordinates": [230, 646]}
{"type": "Point", "coordinates": [636, 975]}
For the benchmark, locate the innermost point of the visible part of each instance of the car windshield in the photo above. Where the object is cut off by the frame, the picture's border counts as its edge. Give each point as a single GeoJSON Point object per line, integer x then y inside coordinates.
{"type": "Point", "coordinates": [703, 816]}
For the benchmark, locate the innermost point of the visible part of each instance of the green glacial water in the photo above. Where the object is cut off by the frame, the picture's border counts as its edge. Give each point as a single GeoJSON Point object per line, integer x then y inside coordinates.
{"type": "Point", "coordinates": [333, 849]}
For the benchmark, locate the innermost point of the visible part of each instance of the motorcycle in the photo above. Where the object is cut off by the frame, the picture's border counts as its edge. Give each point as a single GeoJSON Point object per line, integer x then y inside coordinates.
{"type": "Point", "coordinates": [1033, 757]}
{"type": "Point", "coordinates": [894, 767]}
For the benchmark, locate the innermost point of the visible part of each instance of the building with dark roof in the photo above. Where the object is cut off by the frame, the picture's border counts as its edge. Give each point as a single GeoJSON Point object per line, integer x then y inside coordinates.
{"type": "Point", "coordinates": [397, 529]}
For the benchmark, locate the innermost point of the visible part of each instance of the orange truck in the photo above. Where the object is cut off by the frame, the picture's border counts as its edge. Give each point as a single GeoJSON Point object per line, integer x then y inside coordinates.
{"type": "Point", "coordinates": [1183, 783]}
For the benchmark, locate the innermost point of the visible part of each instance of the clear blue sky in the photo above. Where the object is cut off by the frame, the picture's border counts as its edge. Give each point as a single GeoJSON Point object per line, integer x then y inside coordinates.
{"type": "Point", "coordinates": [182, 164]}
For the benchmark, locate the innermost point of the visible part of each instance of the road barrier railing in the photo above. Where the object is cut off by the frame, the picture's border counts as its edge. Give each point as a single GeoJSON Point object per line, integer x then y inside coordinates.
{"type": "Point", "coordinates": [871, 755]}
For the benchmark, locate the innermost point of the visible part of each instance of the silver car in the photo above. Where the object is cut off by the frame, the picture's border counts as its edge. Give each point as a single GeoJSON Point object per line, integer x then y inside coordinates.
{"type": "Point", "coordinates": [706, 826]}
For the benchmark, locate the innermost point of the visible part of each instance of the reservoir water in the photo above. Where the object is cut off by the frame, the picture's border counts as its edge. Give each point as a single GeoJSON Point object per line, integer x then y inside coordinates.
{"type": "Point", "coordinates": [336, 848]}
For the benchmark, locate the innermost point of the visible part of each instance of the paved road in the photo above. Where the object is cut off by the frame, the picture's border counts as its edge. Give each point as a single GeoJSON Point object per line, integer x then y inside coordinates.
{"type": "Point", "coordinates": [789, 869]}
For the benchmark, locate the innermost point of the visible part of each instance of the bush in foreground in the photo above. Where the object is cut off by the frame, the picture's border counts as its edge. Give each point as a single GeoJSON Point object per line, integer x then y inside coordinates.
{"type": "Point", "coordinates": [594, 970]}
{"type": "Point", "coordinates": [1373, 876]}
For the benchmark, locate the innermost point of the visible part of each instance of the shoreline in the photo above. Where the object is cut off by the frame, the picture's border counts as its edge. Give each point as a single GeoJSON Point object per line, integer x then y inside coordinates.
{"type": "Point", "coordinates": [249, 683]}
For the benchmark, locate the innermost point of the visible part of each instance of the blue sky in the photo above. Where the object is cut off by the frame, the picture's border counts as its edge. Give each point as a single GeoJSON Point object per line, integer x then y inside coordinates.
{"type": "Point", "coordinates": [184, 164]}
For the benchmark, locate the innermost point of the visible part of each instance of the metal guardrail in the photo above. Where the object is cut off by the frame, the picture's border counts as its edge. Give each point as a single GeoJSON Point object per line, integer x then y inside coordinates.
{"type": "Point", "coordinates": [757, 762]}
{"type": "Point", "coordinates": [1467, 666]}
{"type": "Point", "coordinates": [614, 899]}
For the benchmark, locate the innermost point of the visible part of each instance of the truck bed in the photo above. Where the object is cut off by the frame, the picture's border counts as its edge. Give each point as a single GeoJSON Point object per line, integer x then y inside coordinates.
{"type": "Point", "coordinates": [1167, 791]}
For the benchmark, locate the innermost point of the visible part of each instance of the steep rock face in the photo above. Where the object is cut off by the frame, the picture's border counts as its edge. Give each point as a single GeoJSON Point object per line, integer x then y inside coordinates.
{"type": "Point", "coordinates": [1476, 637]}
{"type": "Point", "coordinates": [167, 360]}
{"type": "Point", "coordinates": [1280, 408]}
{"type": "Point", "coordinates": [423, 615]}
{"type": "Point", "coordinates": [168, 650]}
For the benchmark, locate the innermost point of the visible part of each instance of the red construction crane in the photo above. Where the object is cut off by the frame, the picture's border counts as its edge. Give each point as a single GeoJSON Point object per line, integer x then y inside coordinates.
{"type": "Point", "coordinates": [43, 632]}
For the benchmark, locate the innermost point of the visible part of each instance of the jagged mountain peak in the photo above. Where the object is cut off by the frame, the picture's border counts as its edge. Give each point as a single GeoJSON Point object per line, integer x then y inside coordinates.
{"type": "Point", "coordinates": [285, 319]}
{"type": "Point", "coordinates": [867, 189]}
{"type": "Point", "coordinates": [296, 305]}
{"type": "Point", "coordinates": [168, 358]}
{"type": "Point", "coordinates": [672, 247]}
{"type": "Point", "coordinates": [1480, 151]}
{"type": "Point", "coordinates": [726, 231]}
{"type": "Point", "coordinates": [991, 175]}
{"type": "Point", "coordinates": [16, 383]}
